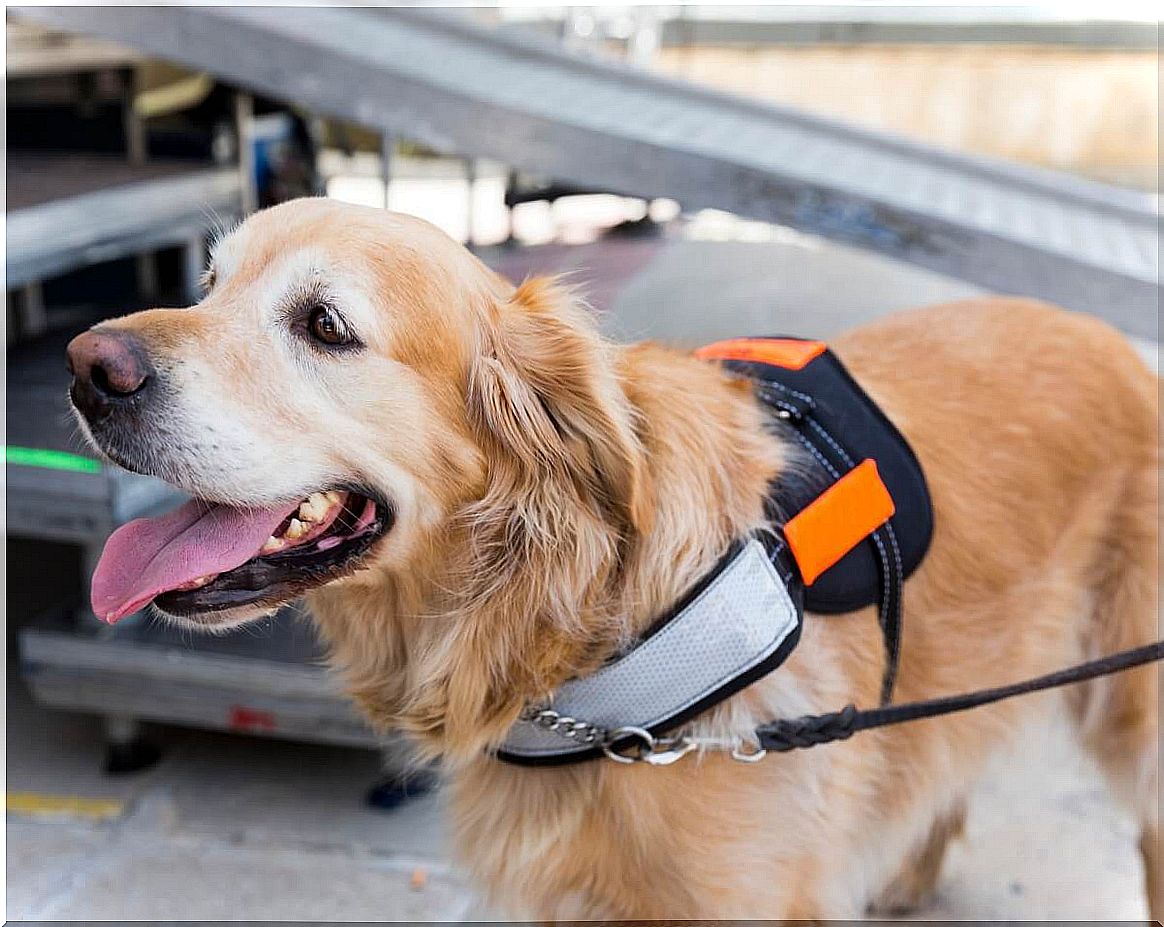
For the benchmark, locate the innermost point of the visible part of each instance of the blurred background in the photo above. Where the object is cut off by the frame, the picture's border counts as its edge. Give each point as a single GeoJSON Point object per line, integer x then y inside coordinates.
{"type": "Point", "coordinates": [702, 171]}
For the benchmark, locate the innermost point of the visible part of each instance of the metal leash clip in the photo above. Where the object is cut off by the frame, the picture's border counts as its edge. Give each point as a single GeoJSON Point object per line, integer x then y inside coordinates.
{"type": "Point", "coordinates": [657, 751]}
{"type": "Point", "coordinates": [639, 745]}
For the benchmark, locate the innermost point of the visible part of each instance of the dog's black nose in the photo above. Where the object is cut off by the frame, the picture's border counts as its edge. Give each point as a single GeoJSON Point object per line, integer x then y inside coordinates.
{"type": "Point", "coordinates": [108, 368]}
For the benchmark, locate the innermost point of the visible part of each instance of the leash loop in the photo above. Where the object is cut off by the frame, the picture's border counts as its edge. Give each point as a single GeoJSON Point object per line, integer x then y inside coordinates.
{"type": "Point", "coordinates": [807, 731]}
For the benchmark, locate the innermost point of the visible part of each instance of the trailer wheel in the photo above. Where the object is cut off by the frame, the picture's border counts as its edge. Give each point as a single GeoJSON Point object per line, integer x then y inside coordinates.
{"type": "Point", "coordinates": [127, 749]}
{"type": "Point", "coordinates": [392, 791]}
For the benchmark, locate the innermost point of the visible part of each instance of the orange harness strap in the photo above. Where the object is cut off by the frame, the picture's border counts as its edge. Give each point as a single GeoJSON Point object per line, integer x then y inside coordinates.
{"type": "Point", "coordinates": [788, 353]}
{"type": "Point", "coordinates": [838, 520]}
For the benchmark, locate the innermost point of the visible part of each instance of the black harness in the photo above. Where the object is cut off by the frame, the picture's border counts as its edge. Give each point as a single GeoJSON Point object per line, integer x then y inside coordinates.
{"type": "Point", "coordinates": [826, 413]}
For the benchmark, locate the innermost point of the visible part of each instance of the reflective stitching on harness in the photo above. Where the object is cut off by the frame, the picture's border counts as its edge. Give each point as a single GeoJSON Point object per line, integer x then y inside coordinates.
{"type": "Point", "coordinates": [895, 642]}
{"type": "Point", "coordinates": [884, 616]}
{"type": "Point", "coordinates": [819, 456]}
{"type": "Point", "coordinates": [832, 442]}
{"type": "Point", "coordinates": [779, 547]}
{"type": "Point", "coordinates": [892, 535]}
{"type": "Point", "coordinates": [786, 406]}
{"type": "Point", "coordinates": [788, 389]}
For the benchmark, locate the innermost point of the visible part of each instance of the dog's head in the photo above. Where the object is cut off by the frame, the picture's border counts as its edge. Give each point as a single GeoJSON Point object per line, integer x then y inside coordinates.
{"type": "Point", "coordinates": [353, 384]}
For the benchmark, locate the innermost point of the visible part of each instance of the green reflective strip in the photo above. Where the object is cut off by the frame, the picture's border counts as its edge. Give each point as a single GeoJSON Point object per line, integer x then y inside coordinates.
{"type": "Point", "coordinates": [50, 460]}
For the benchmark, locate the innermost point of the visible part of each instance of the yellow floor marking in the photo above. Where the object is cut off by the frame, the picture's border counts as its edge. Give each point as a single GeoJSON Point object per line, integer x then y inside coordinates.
{"type": "Point", "coordinates": [39, 805]}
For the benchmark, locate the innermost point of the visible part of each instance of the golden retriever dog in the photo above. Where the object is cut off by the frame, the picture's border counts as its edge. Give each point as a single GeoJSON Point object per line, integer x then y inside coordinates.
{"type": "Point", "coordinates": [481, 498]}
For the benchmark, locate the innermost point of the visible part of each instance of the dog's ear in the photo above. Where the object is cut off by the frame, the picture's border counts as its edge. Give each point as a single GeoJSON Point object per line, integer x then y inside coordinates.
{"type": "Point", "coordinates": [545, 389]}
{"type": "Point", "coordinates": [566, 491]}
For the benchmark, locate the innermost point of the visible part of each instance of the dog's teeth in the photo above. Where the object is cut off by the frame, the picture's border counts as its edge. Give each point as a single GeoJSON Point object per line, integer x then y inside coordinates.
{"type": "Point", "coordinates": [315, 508]}
{"type": "Point", "coordinates": [273, 544]}
{"type": "Point", "coordinates": [294, 530]}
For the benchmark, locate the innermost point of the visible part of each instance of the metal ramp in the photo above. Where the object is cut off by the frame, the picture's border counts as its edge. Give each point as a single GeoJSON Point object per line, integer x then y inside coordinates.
{"type": "Point", "coordinates": [463, 88]}
{"type": "Point", "coordinates": [178, 208]}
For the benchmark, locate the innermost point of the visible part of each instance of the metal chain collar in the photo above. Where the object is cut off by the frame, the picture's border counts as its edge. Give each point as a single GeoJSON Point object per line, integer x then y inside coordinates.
{"type": "Point", "coordinates": [640, 745]}
{"type": "Point", "coordinates": [581, 732]}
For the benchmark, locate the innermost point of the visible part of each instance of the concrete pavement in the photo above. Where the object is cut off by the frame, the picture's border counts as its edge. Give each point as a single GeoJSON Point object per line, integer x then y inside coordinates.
{"type": "Point", "coordinates": [230, 827]}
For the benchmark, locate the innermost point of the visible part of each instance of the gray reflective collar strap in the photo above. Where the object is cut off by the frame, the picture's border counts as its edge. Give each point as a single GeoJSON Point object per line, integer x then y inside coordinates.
{"type": "Point", "coordinates": [740, 626]}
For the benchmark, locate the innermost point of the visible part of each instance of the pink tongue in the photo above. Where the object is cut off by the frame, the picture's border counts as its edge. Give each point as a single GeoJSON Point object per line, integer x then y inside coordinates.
{"type": "Point", "coordinates": [149, 556]}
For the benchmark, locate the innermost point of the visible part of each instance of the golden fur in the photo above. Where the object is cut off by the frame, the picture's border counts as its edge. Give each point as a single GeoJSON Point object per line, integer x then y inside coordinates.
{"type": "Point", "coordinates": [556, 492]}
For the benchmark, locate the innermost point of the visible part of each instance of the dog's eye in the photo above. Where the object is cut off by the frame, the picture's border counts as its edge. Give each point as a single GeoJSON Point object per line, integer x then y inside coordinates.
{"type": "Point", "coordinates": [326, 327]}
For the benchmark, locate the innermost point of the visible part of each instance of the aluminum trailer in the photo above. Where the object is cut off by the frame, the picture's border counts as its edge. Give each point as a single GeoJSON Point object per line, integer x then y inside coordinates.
{"type": "Point", "coordinates": [269, 683]}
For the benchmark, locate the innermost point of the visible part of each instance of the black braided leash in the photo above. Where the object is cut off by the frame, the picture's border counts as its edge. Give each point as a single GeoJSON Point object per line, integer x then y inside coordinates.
{"type": "Point", "coordinates": [810, 730]}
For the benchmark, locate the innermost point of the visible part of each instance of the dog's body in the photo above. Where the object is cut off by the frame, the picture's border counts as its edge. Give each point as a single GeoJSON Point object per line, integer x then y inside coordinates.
{"type": "Point", "coordinates": [554, 494]}
{"type": "Point", "coordinates": [1044, 554]}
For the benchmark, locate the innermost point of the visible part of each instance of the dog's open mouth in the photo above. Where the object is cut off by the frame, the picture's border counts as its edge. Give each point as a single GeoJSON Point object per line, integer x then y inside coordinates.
{"type": "Point", "coordinates": [207, 557]}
